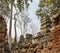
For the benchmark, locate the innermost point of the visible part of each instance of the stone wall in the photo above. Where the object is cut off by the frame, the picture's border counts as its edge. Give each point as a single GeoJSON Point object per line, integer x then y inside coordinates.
{"type": "Point", "coordinates": [56, 40]}
{"type": "Point", "coordinates": [3, 32]}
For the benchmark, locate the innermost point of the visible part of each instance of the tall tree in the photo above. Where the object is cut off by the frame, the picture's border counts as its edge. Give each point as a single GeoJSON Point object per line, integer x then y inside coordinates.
{"type": "Point", "coordinates": [10, 27]}
{"type": "Point", "coordinates": [22, 23]}
{"type": "Point", "coordinates": [12, 1]}
{"type": "Point", "coordinates": [15, 39]}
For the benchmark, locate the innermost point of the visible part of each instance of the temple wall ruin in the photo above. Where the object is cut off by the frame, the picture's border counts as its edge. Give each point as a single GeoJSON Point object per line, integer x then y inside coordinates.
{"type": "Point", "coordinates": [3, 32]}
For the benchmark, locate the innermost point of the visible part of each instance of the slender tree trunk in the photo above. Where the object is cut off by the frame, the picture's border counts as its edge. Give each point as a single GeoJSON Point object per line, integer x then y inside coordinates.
{"type": "Point", "coordinates": [10, 21]}
{"type": "Point", "coordinates": [21, 29]}
{"type": "Point", "coordinates": [15, 32]}
{"type": "Point", "coordinates": [10, 27]}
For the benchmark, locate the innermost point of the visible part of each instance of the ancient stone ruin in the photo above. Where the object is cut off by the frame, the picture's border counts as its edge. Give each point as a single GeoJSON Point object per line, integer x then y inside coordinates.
{"type": "Point", "coordinates": [54, 43]}
{"type": "Point", "coordinates": [3, 32]}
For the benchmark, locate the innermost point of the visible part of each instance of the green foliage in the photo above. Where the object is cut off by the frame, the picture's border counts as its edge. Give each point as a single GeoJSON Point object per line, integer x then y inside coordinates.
{"type": "Point", "coordinates": [7, 1]}
{"type": "Point", "coordinates": [46, 7]}
{"type": "Point", "coordinates": [50, 1]}
{"type": "Point", "coordinates": [31, 0]}
{"type": "Point", "coordinates": [22, 3]}
{"type": "Point", "coordinates": [27, 4]}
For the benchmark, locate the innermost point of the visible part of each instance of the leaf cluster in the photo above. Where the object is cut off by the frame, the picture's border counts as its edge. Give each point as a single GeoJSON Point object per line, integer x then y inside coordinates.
{"type": "Point", "coordinates": [48, 7]}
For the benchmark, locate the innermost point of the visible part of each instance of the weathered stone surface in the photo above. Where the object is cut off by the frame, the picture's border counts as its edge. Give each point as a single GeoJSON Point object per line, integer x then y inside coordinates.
{"type": "Point", "coordinates": [56, 35]}
{"type": "Point", "coordinates": [3, 32]}
{"type": "Point", "coordinates": [38, 51]}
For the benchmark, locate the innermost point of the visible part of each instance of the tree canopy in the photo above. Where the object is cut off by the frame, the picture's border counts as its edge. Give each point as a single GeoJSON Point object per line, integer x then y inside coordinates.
{"type": "Point", "coordinates": [49, 7]}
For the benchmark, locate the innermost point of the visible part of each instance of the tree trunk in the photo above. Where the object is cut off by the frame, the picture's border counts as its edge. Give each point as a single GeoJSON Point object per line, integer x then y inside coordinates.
{"type": "Point", "coordinates": [10, 21]}
{"type": "Point", "coordinates": [15, 41]}
{"type": "Point", "coordinates": [10, 27]}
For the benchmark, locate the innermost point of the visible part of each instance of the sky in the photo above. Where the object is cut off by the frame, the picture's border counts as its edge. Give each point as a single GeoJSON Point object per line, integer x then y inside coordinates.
{"type": "Point", "coordinates": [32, 15]}
{"type": "Point", "coordinates": [32, 12]}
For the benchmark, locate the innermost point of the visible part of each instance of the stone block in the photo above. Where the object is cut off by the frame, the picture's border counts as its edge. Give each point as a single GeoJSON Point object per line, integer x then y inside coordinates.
{"type": "Point", "coordinates": [38, 51]}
